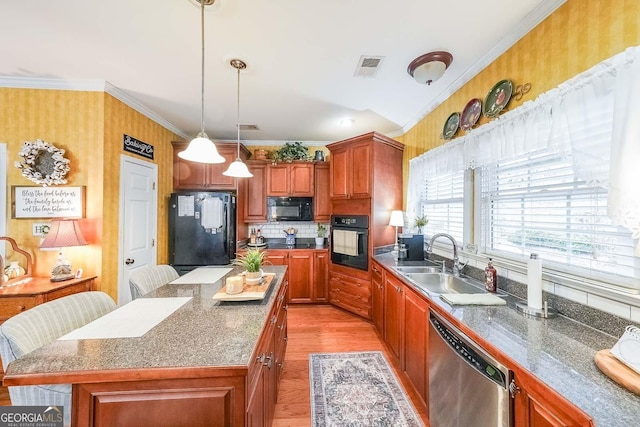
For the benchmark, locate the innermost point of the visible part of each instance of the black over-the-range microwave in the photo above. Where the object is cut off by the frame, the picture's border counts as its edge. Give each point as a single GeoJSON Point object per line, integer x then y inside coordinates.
{"type": "Point", "coordinates": [290, 208]}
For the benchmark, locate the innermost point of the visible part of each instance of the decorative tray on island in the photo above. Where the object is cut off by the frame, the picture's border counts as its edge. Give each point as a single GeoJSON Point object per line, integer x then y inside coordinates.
{"type": "Point", "coordinates": [250, 292]}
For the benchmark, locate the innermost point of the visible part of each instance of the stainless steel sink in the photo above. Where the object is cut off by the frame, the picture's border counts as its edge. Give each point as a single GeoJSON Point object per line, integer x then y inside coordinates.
{"type": "Point", "coordinates": [406, 269]}
{"type": "Point", "coordinates": [443, 283]}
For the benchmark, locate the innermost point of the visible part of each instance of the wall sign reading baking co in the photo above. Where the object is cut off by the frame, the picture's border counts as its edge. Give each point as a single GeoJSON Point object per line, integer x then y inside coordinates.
{"type": "Point", "coordinates": [136, 146]}
{"type": "Point", "coordinates": [47, 202]}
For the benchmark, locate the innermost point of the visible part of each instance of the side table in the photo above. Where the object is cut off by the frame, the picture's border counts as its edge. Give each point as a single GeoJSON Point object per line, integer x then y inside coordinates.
{"type": "Point", "coordinates": [18, 298]}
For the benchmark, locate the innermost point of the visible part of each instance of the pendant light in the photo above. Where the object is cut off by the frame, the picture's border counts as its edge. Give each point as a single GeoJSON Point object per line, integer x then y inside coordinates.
{"type": "Point", "coordinates": [201, 149]}
{"type": "Point", "coordinates": [237, 168]}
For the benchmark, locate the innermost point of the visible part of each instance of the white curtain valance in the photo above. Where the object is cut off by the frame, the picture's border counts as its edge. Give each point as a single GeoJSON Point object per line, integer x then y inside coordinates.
{"type": "Point", "coordinates": [556, 119]}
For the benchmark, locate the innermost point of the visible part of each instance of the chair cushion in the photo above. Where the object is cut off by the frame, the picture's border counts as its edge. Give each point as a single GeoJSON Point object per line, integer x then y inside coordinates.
{"type": "Point", "coordinates": [47, 322]}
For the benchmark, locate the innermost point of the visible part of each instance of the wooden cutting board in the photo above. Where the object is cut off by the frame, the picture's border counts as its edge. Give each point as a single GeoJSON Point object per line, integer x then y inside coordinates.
{"type": "Point", "coordinates": [249, 292]}
{"type": "Point", "coordinates": [618, 371]}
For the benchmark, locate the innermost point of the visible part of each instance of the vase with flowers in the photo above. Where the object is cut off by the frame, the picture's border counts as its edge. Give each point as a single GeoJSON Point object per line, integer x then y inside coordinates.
{"type": "Point", "coordinates": [421, 222]}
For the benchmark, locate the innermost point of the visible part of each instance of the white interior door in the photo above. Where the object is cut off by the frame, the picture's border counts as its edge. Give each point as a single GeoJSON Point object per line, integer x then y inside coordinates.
{"type": "Point", "coordinates": [138, 220]}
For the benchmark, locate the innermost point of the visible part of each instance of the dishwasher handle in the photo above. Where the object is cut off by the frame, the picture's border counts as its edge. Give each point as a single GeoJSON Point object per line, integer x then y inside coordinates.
{"type": "Point", "coordinates": [470, 352]}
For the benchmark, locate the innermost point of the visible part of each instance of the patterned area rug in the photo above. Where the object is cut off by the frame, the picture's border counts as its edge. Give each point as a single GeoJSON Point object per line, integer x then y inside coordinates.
{"type": "Point", "coordinates": [357, 389]}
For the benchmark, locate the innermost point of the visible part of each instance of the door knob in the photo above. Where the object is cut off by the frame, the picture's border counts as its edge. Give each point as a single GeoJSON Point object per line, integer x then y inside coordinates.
{"type": "Point", "coordinates": [129, 261]}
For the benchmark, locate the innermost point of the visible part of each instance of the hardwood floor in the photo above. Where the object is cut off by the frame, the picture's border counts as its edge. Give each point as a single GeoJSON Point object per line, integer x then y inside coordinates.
{"type": "Point", "coordinates": [323, 329]}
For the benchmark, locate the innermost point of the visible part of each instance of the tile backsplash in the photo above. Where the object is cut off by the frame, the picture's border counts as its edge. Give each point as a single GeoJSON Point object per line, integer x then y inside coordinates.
{"type": "Point", "coordinates": [604, 314]}
{"type": "Point", "coordinates": [275, 229]}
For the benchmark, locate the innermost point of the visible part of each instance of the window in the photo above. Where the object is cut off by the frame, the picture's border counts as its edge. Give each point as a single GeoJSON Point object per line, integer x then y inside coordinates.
{"type": "Point", "coordinates": [535, 203]}
{"type": "Point", "coordinates": [442, 203]}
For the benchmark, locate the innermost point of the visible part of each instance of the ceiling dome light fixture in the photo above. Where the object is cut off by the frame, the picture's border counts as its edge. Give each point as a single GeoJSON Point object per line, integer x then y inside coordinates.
{"type": "Point", "coordinates": [429, 67]}
{"type": "Point", "coordinates": [237, 168]}
{"type": "Point", "coordinates": [201, 149]}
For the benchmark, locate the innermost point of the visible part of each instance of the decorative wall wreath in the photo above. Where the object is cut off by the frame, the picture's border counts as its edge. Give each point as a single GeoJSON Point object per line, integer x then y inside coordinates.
{"type": "Point", "coordinates": [43, 163]}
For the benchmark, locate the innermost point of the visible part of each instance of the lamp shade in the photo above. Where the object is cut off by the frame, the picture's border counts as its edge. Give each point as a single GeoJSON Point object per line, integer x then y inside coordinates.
{"type": "Point", "coordinates": [238, 169]}
{"type": "Point", "coordinates": [397, 219]}
{"type": "Point", "coordinates": [202, 150]}
{"type": "Point", "coordinates": [63, 233]}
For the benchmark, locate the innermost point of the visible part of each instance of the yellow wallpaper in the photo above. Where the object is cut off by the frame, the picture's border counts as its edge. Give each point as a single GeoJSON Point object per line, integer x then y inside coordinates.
{"type": "Point", "coordinates": [575, 37]}
{"type": "Point", "coordinates": [89, 126]}
{"type": "Point", "coordinates": [70, 120]}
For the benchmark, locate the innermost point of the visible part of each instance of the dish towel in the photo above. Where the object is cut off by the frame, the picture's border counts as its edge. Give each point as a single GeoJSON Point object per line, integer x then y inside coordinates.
{"type": "Point", "coordinates": [345, 242]}
{"type": "Point", "coordinates": [473, 299]}
{"type": "Point", "coordinates": [211, 212]}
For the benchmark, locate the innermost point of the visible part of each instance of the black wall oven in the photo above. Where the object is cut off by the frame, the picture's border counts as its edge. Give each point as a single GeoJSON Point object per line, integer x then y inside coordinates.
{"type": "Point", "coordinates": [350, 240]}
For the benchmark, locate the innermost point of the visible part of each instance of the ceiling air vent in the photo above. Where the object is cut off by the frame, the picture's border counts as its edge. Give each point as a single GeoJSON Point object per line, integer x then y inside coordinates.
{"type": "Point", "coordinates": [249, 127]}
{"type": "Point", "coordinates": [368, 66]}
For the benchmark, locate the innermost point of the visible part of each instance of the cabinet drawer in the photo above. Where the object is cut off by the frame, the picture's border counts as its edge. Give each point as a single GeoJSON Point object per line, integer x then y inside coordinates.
{"type": "Point", "coordinates": [80, 287]}
{"type": "Point", "coordinates": [354, 305]}
{"type": "Point", "coordinates": [12, 306]}
{"type": "Point", "coordinates": [350, 286]}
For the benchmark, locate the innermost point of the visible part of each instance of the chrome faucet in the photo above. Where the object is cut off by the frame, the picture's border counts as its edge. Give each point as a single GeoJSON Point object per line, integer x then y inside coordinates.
{"type": "Point", "coordinates": [456, 264]}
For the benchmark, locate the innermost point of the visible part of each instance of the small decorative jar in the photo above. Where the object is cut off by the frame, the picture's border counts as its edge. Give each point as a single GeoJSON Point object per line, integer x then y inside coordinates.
{"type": "Point", "coordinates": [14, 270]}
{"type": "Point", "coordinates": [260, 154]}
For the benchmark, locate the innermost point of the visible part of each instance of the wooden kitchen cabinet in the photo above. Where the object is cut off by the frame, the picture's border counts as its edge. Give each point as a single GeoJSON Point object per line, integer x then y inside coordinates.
{"type": "Point", "coordinates": [291, 180]}
{"type": "Point", "coordinates": [254, 194]}
{"type": "Point", "coordinates": [322, 196]}
{"type": "Point", "coordinates": [351, 171]}
{"type": "Point", "coordinates": [377, 297]}
{"type": "Point", "coordinates": [535, 405]}
{"type": "Point", "coordinates": [307, 273]}
{"type": "Point", "coordinates": [415, 329]}
{"type": "Point", "coordinates": [320, 291]}
{"type": "Point", "coordinates": [300, 276]}
{"type": "Point", "coordinates": [265, 370]}
{"type": "Point", "coordinates": [204, 176]}
{"type": "Point", "coordinates": [394, 320]}
{"type": "Point", "coordinates": [350, 293]}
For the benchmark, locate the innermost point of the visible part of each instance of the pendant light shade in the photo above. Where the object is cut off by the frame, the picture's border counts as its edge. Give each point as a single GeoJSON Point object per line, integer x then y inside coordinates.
{"type": "Point", "coordinates": [201, 149]}
{"type": "Point", "coordinates": [237, 168]}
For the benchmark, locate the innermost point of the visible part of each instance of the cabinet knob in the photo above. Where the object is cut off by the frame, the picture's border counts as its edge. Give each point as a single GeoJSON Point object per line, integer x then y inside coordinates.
{"type": "Point", "coordinates": [21, 308]}
{"type": "Point", "coordinates": [129, 261]}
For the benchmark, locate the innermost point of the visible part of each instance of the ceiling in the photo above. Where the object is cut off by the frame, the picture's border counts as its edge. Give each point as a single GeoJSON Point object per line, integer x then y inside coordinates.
{"type": "Point", "coordinates": [301, 57]}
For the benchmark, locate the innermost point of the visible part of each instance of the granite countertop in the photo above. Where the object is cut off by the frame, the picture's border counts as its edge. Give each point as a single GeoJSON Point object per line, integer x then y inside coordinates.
{"type": "Point", "coordinates": [202, 333]}
{"type": "Point", "coordinates": [559, 351]}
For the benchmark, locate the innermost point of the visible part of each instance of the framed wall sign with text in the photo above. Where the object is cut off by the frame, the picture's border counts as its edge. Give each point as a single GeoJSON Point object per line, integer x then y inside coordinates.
{"type": "Point", "coordinates": [47, 202]}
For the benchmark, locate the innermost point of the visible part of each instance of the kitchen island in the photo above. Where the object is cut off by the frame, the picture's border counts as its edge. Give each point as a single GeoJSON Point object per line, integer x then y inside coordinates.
{"type": "Point", "coordinates": [208, 363]}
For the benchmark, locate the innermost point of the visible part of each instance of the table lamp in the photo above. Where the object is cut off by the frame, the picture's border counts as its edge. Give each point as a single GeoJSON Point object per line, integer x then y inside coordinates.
{"type": "Point", "coordinates": [396, 220]}
{"type": "Point", "coordinates": [63, 233]}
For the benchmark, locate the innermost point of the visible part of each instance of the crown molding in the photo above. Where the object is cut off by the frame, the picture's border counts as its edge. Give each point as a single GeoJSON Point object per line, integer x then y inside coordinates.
{"type": "Point", "coordinates": [527, 24]}
{"type": "Point", "coordinates": [87, 85]}
{"type": "Point", "coordinates": [142, 109]}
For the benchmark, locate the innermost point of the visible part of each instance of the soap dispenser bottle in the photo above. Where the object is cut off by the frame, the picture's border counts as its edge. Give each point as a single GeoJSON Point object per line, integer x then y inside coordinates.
{"type": "Point", "coordinates": [490, 277]}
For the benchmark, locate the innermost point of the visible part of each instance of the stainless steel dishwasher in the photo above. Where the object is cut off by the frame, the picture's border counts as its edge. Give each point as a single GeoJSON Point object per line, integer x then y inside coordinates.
{"type": "Point", "coordinates": [467, 387]}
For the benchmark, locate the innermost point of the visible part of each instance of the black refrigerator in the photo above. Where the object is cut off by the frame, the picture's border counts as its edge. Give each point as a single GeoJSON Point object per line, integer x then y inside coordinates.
{"type": "Point", "coordinates": [201, 229]}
